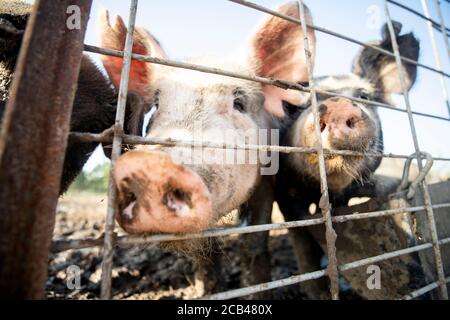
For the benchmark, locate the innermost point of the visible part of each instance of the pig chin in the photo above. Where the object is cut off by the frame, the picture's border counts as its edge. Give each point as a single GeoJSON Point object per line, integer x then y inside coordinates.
{"type": "Point", "coordinates": [341, 170]}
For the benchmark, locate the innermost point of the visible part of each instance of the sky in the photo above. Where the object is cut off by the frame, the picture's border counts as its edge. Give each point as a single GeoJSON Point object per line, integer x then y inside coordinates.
{"type": "Point", "coordinates": [219, 27]}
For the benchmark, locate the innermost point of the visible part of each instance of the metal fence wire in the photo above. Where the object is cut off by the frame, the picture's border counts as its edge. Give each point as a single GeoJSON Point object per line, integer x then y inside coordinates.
{"type": "Point", "coordinates": [110, 238]}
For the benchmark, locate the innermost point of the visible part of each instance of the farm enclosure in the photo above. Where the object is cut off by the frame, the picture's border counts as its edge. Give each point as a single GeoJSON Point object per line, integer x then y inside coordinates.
{"type": "Point", "coordinates": [110, 240]}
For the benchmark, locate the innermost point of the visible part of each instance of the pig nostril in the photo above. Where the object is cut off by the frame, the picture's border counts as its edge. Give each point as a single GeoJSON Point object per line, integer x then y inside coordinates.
{"type": "Point", "coordinates": [178, 201]}
{"type": "Point", "coordinates": [323, 125]}
{"type": "Point", "coordinates": [127, 206]}
{"type": "Point", "coordinates": [350, 123]}
{"type": "Point", "coordinates": [130, 197]}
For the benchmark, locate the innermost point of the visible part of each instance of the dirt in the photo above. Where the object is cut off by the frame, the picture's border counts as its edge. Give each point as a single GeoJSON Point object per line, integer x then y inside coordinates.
{"type": "Point", "coordinates": [146, 271]}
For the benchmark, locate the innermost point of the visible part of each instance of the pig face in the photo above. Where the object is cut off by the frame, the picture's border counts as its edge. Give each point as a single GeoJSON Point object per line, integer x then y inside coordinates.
{"type": "Point", "coordinates": [350, 125]}
{"type": "Point", "coordinates": [345, 125]}
{"type": "Point", "coordinates": [179, 189]}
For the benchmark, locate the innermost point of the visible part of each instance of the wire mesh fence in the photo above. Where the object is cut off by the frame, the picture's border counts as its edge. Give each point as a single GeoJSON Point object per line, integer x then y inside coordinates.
{"type": "Point", "coordinates": [118, 137]}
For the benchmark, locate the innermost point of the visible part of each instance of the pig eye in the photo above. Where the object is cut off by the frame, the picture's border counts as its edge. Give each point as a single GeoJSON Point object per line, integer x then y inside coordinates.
{"type": "Point", "coordinates": [239, 100]}
{"type": "Point", "coordinates": [239, 105]}
{"type": "Point", "coordinates": [304, 84]}
{"type": "Point", "coordinates": [363, 95]}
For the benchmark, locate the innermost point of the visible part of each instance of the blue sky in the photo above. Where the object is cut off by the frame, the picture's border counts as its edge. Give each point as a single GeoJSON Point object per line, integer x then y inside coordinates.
{"type": "Point", "coordinates": [219, 27]}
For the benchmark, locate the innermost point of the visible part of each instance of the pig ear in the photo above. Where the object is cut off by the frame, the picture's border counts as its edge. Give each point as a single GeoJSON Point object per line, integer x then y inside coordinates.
{"type": "Point", "coordinates": [381, 69]}
{"type": "Point", "coordinates": [278, 51]}
{"type": "Point", "coordinates": [141, 73]}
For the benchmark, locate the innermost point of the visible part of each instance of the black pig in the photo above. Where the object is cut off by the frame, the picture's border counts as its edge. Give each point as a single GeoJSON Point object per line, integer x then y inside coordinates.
{"type": "Point", "coordinates": [345, 125]}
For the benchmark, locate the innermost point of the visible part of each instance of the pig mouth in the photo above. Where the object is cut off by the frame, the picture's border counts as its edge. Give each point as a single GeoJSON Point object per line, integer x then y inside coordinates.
{"type": "Point", "coordinates": [346, 164]}
{"type": "Point", "coordinates": [333, 160]}
{"type": "Point", "coordinates": [332, 156]}
{"type": "Point", "coordinates": [336, 163]}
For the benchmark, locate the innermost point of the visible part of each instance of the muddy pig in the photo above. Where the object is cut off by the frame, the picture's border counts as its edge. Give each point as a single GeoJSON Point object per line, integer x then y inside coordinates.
{"type": "Point", "coordinates": [345, 125]}
{"type": "Point", "coordinates": [95, 101]}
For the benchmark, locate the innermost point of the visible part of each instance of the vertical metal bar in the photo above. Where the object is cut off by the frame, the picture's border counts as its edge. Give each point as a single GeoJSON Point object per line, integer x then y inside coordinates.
{"type": "Point", "coordinates": [427, 199]}
{"type": "Point", "coordinates": [116, 151]}
{"type": "Point", "coordinates": [324, 204]}
{"type": "Point", "coordinates": [33, 141]}
{"type": "Point", "coordinates": [436, 54]}
{"type": "Point", "coordinates": [441, 21]}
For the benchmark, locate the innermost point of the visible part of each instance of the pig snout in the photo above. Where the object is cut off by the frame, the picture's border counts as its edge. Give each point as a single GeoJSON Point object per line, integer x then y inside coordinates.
{"type": "Point", "coordinates": [343, 124]}
{"type": "Point", "coordinates": [155, 194]}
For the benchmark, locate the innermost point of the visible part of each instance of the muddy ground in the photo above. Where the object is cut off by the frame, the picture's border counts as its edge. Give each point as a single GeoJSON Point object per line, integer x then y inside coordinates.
{"type": "Point", "coordinates": [146, 272]}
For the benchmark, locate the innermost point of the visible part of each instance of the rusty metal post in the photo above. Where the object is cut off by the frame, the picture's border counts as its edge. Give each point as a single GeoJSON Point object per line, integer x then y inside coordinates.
{"type": "Point", "coordinates": [33, 141]}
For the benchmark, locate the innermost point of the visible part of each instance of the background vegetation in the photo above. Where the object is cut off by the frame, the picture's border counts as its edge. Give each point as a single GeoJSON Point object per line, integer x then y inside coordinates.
{"type": "Point", "coordinates": [94, 181]}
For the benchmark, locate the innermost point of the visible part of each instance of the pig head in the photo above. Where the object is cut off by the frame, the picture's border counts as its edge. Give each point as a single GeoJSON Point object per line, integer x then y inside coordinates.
{"type": "Point", "coordinates": [352, 125]}
{"type": "Point", "coordinates": [181, 189]}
